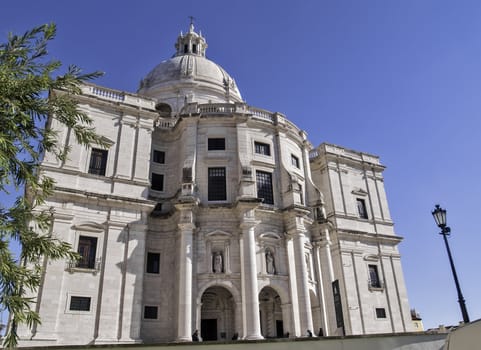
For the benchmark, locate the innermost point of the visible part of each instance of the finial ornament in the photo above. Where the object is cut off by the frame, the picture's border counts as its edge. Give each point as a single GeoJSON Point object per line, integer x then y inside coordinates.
{"type": "Point", "coordinates": [191, 27]}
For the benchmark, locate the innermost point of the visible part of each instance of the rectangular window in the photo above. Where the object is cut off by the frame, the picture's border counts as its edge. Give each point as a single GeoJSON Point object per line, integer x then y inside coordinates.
{"type": "Point", "coordinates": [216, 144]}
{"type": "Point", "coordinates": [361, 208]}
{"type": "Point", "coordinates": [159, 157]}
{"type": "Point", "coordinates": [264, 186]}
{"type": "Point", "coordinates": [87, 248]}
{"type": "Point", "coordinates": [79, 303]}
{"type": "Point", "coordinates": [217, 185]}
{"type": "Point", "coordinates": [153, 262]}
{"type": "Point", "coordinates": [262, 148]}
{"type": "Point", "coordinates": [150, 312]}
{"type": "Point", "coordinates": [380, 312]}
{"type": "Point", "coordinates": [301, 195]}
{"type": "Point", "coordinates": [98, 161]}
{"type": "Point", "coordinates": [374, 281]}
{"type": "Point", "coordinates": [157, 182]}
{"type": "Point", "coordinates": [295, 161]}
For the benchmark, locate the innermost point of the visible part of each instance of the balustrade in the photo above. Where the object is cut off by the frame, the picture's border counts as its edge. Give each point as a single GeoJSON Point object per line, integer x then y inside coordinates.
{"type": "Point", "coordinates": [109, 94]}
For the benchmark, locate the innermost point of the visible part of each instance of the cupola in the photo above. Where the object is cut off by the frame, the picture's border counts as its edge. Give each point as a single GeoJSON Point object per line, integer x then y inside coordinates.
{"type": "Point", "coordinates": [191, 43]}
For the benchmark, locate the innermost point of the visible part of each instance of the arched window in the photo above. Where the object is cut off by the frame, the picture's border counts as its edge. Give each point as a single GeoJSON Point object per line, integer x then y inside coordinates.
{"type": "Point", "coordinates": [163, 108]}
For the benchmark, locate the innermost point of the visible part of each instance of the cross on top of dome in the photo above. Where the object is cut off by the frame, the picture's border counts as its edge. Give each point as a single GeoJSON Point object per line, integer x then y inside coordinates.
{"type": "Point", "coordinates": [191, 43]}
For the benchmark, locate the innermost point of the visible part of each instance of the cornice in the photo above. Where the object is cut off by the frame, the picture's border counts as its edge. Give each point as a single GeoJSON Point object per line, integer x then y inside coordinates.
{"type": "Point", "coordinates": [352, 235]}
{"type": "Point", "coordinates": [103, 196]}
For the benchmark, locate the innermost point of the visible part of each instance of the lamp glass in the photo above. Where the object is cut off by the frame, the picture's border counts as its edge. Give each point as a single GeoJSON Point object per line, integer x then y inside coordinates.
{"type": "Point", "coordinates": [439, 215]}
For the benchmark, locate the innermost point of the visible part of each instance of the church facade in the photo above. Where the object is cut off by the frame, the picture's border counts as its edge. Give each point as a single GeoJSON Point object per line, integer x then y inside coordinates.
{"type": "Point", "coordinates": [205, 213]}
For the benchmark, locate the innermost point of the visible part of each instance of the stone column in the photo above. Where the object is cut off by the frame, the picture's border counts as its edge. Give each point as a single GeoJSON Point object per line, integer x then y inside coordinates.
{"type": "Point", "coordinates": [185, 261]}
{"type": "Point", "coordinates": [305, 312]}
{"type": "Point", "coordinates": [249, 271]}
{"type": "Point", "coordinates": [294, 326]}
{"type": "Point", "coordinates": [325, 252]}
{"type": "Point", "coordinates": [320, 288]}
{"type": "Point", "coordinates": [133, 281]}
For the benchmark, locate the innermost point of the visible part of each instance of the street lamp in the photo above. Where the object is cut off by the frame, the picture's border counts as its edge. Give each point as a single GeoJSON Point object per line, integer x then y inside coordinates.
{"type": "Point", "coordinates": [439, 215]}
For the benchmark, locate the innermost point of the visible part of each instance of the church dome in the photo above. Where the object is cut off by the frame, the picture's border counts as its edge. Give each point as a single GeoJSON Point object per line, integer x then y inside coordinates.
{"type": "Point", "coordinates": [189, 76]}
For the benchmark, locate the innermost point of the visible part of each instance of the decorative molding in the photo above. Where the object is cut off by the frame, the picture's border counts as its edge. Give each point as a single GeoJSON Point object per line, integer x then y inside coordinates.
{"type": "Point", "coordinates": [359, 192]}
{"type": "Point", "coordinates": [89, 226]}
{"type": "Point", "coordinates": [371, 257]}
{"type": "Point", "coordinates": [218, 234]}
{"type": "Point", "coordinates": [269, 236]}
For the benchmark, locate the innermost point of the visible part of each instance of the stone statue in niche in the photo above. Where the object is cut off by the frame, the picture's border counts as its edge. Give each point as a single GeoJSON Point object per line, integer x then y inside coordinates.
{"type": "Point", "coordinates": [270, 263]}
{"type": "Point", "coordinates": [308, 265]}
{"type": "Point", "coordinates": [217, 262]}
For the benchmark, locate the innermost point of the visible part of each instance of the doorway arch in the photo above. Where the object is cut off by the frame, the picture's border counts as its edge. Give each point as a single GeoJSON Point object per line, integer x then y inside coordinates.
{"type": "Point", "coordinates": [272, 324]}
{"type": "Point", "coordinates": [217, 320]}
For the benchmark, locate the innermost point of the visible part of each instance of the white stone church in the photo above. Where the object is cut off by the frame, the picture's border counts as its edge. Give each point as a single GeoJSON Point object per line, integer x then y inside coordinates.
{"type": "Point", "coordinates": [207, 214]}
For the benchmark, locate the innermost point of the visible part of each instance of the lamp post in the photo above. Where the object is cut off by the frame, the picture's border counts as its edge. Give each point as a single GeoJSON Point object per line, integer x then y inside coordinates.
{"type": "Point", "coordinates": [439, 215]}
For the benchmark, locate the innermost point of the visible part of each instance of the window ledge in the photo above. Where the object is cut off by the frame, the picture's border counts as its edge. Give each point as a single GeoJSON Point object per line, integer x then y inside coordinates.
{"type": "Point", "coordinates": [379, 288]}
{"type": "Point", "coordinates": [72, 268]}
{"type": "Point", "coordinates": [82, 270]}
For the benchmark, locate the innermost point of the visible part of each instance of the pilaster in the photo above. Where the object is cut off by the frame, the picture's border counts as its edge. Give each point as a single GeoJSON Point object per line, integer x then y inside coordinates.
{"type": "Point", "coordinates": [320, 287]}
{"type": "Point", "coordinates": [252, 328]}
{"type": "Point", "coordinates": [296, 230]}
{"type": "Point", "coordinates": [185, 264]}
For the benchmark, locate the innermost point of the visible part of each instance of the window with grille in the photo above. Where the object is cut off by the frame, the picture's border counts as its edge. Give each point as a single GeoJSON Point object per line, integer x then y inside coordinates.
{"type": "Point", "coordinates": [380, 312]}
{"type": "Point", "coordinates": [264, 186]}
{"type": "Point", "coordinates": [361, 208]}
{"type": "Point", "coordinates": [79, 303]}
{"type": "Point", "coordinates": [87, 248]}
{"type": "Point", "coordinates": [374, 280]}
{"type": "Point", "coordinates": [216, 144]}
{"type": "Point", "coordinates": [262, 148]}
{"type": "Point", "coordinates": [153, 262]}
{"type": "Point", "coordinates": [157, 182]}
{"type": "Point", "coordinates": [294, 161]}
{"type": "Point", "coordinates": [217, 184]}
{"type": "Point", "coordinates": [150, 312]}
{"type": "Point", "coordinates": [98, 161]}
{"type": "Point", "coordinates": [159, 157]}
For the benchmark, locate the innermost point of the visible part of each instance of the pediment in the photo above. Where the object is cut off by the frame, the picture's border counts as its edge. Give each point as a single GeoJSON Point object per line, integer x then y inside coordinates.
{"type": "Point", "coordinates": [371, 257]}
{"type": "Point", "coordinates": [270, 236]}
{"type": "Point", "coordinates": [359, 192]}
{"type": "Point", "coordinates": [218, 234]}
{"type": "Point", "coordinates": [89, 226]}
{"type": "Point", "coordinates": [107, 141]}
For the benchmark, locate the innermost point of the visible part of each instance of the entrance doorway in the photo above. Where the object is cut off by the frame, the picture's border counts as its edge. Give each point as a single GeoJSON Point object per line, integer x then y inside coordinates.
{"type": "Point", "coordinates": [208, 329]}
{"type": "Point", "coordinates": [217, 314]}
{"type": "Point", "coordinates": [280, 328]}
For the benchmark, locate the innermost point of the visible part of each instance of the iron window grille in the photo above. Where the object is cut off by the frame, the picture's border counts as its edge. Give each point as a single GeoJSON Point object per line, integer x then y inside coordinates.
{"type": "Point", "coordinates": [262, 148]}
{"type": "Point", "coordinates": [159, 157]}
{"type": "Point", "coordinates": [79, 303]}
{"type": "Point", "coordinates": [374, 281]}
{"type": "Point", "coordinates": [216, 184]}
{"type": "Point", "coordinates": [216, 144]}
{"type": "Point", "coordinates": [157, 182]}
{"type": "Point", "coordinates": [264, 186]}
{"type": "Point", "coordinates": [153, 262]}
{"type": "Point", "coordinates": [295, 161]}
{"type": "Point", "coordinates": [380, 312]}
{"type": "Point", "coordinates": [361, 208]}
{"type": "Point", "coordinates": [87, 249]}
{"type": "Point", "coordinates": [98, 161]}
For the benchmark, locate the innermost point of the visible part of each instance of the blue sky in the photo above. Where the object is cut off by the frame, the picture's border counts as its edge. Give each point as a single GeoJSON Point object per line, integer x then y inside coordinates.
{"type": "Point", "coordinates": [399, 79]}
